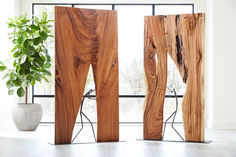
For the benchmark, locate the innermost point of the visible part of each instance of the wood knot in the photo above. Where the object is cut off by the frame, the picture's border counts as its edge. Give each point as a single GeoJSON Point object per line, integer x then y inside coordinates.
{"type": "Point", "coordinates": [105, 83]}
{"type": "Point", "coordinates": [151, 56]}
{"type": "Point", "coordinates": [113, 63]}
{"type": "Point", "coordinates": [56, 72]}
{"type": "Point", "coordinates": [190, 131]}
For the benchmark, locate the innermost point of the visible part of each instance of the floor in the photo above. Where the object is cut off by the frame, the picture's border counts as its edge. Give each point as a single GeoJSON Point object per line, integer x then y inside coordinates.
{"type": "Point", "coordinates": [14, 143]}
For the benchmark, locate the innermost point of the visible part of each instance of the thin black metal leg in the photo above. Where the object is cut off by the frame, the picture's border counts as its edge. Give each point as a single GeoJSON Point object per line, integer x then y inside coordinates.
{"type": "Point", "coordinates": [176, 109]}
{"type": "Point", "coordinates": [165, 124]}
{"type": "Point", "coordinates": [91, 126]}
{"type": "Point", "coordinates": [174, 115]}
{"type": "Point", "coordinates": [81, 118]}
{"type": "Point", "coordinates": [87, 95]}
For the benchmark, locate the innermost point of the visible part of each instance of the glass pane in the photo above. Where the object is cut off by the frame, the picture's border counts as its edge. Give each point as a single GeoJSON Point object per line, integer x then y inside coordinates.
{"type": "Point", "coordinates": [47, 8]}
{"type": "Point", "coordinates": [48, 105]}
{"type": "Point", "coordinates": [44, 87]}
{"type": "Point", "coordinates": [89, 82]}
{"type": "Point", "coordinates": [106, 7]}
{"type": "Point", "coordinates": [169, 108]}
{"type": "Point", "coordinates": [174, 80]}
{"type": "Point", "coordinates": [173, 9]}
{"type": "Point", "coordinates": [90, 110]}
{"type": "Point", "coordinates": [130, 50]}
{"type": "Point", "coordinates": [131, 109]}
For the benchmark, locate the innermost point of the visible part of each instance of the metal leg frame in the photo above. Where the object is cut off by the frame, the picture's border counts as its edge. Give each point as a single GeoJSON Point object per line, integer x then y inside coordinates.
{"type": "Point", "coordinates": [83, 114]}
{"type": "Point", "coordinates": [172, 115]}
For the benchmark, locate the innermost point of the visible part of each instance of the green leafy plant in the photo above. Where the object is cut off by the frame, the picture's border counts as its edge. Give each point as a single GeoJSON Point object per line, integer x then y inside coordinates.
{"type": "Point", "coordinates": [31, 61]}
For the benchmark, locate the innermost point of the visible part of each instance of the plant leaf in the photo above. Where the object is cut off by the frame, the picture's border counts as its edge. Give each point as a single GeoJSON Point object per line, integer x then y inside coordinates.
{"type": "Point", "coordinates": [17, 54]}
{"type": "Point", "coordinates": [20, 40]}
{"type": "Point", "coordinates": [20, 92]}
{"type": "Point", "coordinates": [11, 91]}
{"type": "Point", "coordinates": [37, 40]}
{"type": "Point", "coordinates": [37, 77]}
{"type": "Point", "coordinates": [17, 82]}
{"type": "Point", "coordinates": [47, 65]}
{"type": "Point", "coordinates": [28, 42]}
{"type": "Point", "coordinates": [2, 67]}
{"type": "Point", "coordinates": [46, 72]}
{"type": "Point", "coordinates": [9, 84]}
{"type": "Point", "coordinates": [25, 68]}
{"type": "Point", "coordinates": [23, 59]}
{"type": "Point", "coordinates": [43, 35]}
{"type": "Point", "coordinates": [33, 26]}
{"type": "Point", "coordinates": [33, 83]}
{"type": "Point", "coordinates": [30, 51]}
{"type": "Point", "coordinates": [6, 75]}
{"type": "Point", "coordinates": [29, 77]}
{"type": "Point", "coordinates": [45, 78]}
{"type": "Point", "coordinates": [13, 76]}
{"type": "Point", "coordinates": [18, 68]}
{"type": "Point", "coordinates": [31, 61]}
{"type": "Point", "coordinates": [15, 47]}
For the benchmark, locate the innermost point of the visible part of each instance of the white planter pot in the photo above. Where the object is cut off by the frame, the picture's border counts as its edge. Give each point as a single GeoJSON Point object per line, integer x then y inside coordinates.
{"type": "Point", "coordinates": [27, 116]}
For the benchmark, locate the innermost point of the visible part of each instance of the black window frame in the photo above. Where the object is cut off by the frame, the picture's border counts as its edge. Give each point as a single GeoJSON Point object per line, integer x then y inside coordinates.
{"type": "Point", "coordinates": [113, 8]}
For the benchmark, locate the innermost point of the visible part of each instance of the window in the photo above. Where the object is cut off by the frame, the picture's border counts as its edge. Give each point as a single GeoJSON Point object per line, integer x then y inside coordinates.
{"type": "Point", "coordinates": [131, 69]}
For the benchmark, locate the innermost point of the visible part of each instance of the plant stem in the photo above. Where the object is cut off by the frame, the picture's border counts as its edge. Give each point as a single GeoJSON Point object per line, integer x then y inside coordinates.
{"type": "Point", "coordinates": [26, 95]}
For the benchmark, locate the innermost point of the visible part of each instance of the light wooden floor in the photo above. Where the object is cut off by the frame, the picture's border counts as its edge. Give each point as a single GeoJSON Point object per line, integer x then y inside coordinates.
{"type": "Point", "coordinates": [35, 144]}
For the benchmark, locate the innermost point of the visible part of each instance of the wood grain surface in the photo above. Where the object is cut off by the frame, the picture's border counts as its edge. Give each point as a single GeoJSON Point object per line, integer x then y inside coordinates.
{"type": "Point", "coordinates": [84, 37]}
{"type": "Point", "coordinates": [155, 66]}
{"type": "Point", "coordinates": [185, 42]}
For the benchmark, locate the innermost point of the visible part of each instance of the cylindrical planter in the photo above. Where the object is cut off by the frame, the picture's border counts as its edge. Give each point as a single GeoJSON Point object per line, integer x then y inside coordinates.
{"type": "Point", "coordinates": [27, 116]}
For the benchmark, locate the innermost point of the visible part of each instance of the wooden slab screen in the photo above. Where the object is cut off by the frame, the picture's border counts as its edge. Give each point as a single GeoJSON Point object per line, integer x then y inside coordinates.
{"type": "Point", "coordinates": [85, 37]}
{"type": "Point", "coordinates": [184, 37]}
{"type": "Point", "coordinates": [155, 61]}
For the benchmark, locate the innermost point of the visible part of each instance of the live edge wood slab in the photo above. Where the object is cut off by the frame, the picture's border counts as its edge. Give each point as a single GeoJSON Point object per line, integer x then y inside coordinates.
{"type": "Point", "coordinates": [155, 67]}
{"type": "Point", "coordinates": [85, 37]}
{"type": "Point", "coordinates": [183, 38]}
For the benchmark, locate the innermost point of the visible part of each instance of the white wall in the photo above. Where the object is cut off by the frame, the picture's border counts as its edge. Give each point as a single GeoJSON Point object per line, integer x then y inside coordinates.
{"type": "Point", "coordinates": [224, 64]}
{"type": "Point", "coordinates": [7, 9]}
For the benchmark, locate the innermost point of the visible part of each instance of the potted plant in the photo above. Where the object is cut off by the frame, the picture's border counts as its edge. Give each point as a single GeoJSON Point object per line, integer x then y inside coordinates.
{"type": "Point", "coordinates": [31, 64]}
